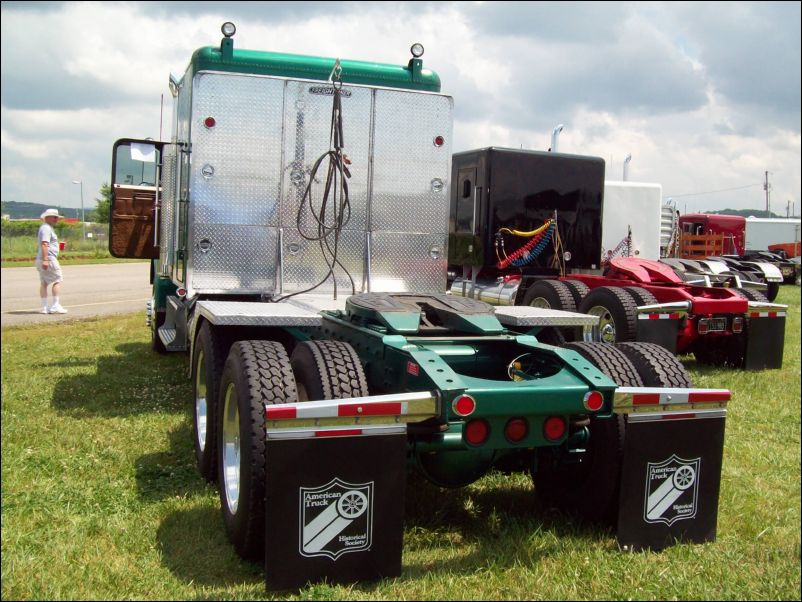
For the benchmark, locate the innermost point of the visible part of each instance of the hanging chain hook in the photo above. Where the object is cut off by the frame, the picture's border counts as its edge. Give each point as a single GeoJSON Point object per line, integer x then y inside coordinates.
{"type": "Point", "coordinates": [335, 77]}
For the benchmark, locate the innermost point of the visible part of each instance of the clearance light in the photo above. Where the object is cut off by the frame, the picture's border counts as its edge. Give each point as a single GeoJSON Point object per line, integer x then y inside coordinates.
{"type": "Point", "coordinates": [476, 432]}
{"type": "Point", "coordinates": [464, 405]}
{"type": "Point", "coordinates": [516, 429]}
{"type": "Point", "coordinates": [181, 292]}
{"type": "Point", "coordinates": [554, 428]}
{"type": "Point", "coordinates": [228, 29]}
{"type": "Point", "coordinates": [209, 122]}
{"type": "Point", "coordinates": [417, 50]}
{"type": "Point", "coordinates": [439, 141]}
{"type": "Point", "coordinates": [593, 401]}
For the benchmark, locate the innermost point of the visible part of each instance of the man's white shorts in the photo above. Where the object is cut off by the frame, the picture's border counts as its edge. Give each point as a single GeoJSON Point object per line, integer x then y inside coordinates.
{"type": "Point", "coordinates": [52, 275]}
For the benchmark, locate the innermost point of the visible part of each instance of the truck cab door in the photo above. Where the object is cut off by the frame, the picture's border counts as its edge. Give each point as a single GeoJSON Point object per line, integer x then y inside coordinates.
{"type": "Point", "coordinates": [135, 198]}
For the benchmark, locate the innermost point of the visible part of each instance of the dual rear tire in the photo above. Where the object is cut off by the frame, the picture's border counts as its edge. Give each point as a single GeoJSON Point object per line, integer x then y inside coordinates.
{"type": "Point", "coordinates": [585, 482]}
{"type": "Point", "coordinates": [256, 374]}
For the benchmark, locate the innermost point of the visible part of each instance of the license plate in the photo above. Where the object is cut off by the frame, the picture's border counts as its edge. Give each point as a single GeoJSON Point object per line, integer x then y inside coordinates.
{"type": "Point", "coordinates": [717, 324]}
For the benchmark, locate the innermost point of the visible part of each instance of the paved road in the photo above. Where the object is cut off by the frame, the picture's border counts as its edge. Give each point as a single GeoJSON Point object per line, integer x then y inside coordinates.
{"type": "Point", "coordinates": [87, 290]}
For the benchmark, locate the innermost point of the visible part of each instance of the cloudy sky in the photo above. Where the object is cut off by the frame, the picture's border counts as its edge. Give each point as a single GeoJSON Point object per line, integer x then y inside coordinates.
{"type": "Point", "coordinates": [705, 96]}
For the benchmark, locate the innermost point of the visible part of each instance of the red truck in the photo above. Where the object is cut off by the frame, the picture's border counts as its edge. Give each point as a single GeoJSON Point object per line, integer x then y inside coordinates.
{"type": "Point", "coordinates": [526, 229]}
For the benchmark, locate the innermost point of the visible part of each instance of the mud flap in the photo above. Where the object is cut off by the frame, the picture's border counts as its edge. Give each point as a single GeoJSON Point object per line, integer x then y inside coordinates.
{"type": "Point", "coordinates": [334, 509]}
{"type": "Point", "coordinates": [670, 480]}
{"type": "Point", "coordinates": [765, 340]}
{"type": "Point", "coordinates": [659, 328]}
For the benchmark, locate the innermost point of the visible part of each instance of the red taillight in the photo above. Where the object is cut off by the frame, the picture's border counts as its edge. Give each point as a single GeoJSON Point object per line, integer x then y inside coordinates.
{"type": "Point", "coordinates": [464, 405]}
{"type": "Point", "coordinates": [737, 325]}
{"type": "Point", "coordinates": [439, 141]}
{"type": "Point", "coordinates": [594, 401]}
{"type": "Point", "coordinates": [554, 428]}
{"type": "Point", "coordinates": [702, 327]}
{"type": "Point", "coordinates": [516, 429]}
{"type": "Point", "coordinates": [209, 122]}
{"type": "Point", "coordinates": [476, 432]}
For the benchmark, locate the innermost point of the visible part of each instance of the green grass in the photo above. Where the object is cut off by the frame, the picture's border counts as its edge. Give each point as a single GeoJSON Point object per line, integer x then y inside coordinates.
{"type": "Point", "coordinates": [101, 499]}
{"type": "Point", "coordinates": [20, 251]}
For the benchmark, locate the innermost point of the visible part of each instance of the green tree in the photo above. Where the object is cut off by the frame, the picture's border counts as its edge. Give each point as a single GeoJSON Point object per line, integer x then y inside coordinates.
{"type": "Point", "coordinates": [103, 207]}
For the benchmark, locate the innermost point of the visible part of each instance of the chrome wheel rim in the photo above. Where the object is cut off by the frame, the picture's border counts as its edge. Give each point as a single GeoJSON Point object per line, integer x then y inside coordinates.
{"type": "Point", "coordinates": [201, 407]}
{"type": "Point", "coordinates": [540, 302]}
{"type": "Point", "coordinates": [231, 449]}
{"type": "Point", "coordinates": [605, 331]}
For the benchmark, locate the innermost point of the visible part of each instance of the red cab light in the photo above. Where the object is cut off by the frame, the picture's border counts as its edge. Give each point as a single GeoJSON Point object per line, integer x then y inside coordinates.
{"type": "Point", "coordinates": [554, 428]}
{"type": "Point", "coordinates": [476, 432]}
{"type": "Point", "coordinates": [516, 429]}
{"type": "Point", "coordinates": [464, 405]}
{"type": "Point", "coordinates": [593, 401]}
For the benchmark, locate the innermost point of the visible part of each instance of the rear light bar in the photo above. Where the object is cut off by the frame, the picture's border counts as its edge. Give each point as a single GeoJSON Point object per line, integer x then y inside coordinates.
{"type": "Point", "coordinates": [657, 403]}
{"type": "Point", "coordinates": [376, 410]}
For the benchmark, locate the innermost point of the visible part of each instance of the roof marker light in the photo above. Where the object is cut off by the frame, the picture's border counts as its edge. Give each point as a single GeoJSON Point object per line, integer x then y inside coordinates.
{"type": "Point", "coordinates": [228, 29]}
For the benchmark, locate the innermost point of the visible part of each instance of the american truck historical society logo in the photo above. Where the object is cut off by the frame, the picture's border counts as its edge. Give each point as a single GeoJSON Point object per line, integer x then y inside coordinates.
{"type": "Point", "coordinates": [671, 488]}
{"type": "Point", "coordinates": [336, 518]}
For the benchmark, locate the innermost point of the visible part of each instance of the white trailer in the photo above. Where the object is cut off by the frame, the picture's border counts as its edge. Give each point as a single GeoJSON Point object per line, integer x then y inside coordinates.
{"type": "Point", "coordinates": [632, 207]}
{"type": "Point", "coordinates": [762, 232]}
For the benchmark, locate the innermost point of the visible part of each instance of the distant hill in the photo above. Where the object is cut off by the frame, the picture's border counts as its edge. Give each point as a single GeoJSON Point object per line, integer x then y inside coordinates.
{"type": "Point", "coordinates": [746, 212]}
{"type": "Point", "coordinates": [17, 210]}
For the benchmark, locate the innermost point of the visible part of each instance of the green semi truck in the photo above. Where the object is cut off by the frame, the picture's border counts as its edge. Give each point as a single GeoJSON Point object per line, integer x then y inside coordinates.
{"type": "Point", "coordinates": [298, 224]}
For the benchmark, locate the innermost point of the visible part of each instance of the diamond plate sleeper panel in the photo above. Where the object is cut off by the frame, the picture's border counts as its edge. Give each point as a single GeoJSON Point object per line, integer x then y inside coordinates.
{"type": "Point", "coordinates": [305, 266]}
{"type": "Point", "coordinates": [307, 126]}
{"type": "Point", "coordinates": [407, 165]}
{"type": "Point", "coordinates": [167, 210]}
{"type": "Point", "coordinates": [237, 258]}
{"type": "Point", "coordinates": [236, 163]}
{"type": "Point", "coordinates": [403, 262]}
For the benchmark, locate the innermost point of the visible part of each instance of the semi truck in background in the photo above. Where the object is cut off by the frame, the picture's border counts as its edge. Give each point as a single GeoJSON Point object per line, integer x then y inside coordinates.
{"type": "Point", "coordinates": [632, 219]}
{"type": "Point", "coordinates": [526, 229]}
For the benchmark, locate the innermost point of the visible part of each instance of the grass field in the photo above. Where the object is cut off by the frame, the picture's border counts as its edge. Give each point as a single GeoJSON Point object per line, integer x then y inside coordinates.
{"type": "Point", "coordinates": [18, 251]}
{"type": "Point", "coordinates": [101, 499]}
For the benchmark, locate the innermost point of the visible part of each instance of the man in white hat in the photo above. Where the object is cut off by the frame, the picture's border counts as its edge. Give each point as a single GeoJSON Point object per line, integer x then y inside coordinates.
{"type": "Point", "coordinates": [47, 262]}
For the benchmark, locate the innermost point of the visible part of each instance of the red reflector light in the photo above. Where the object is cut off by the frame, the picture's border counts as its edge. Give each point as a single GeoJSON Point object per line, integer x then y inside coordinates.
{"type": "Point", "coordinates": [439, 141]}
{"type": "Point", "coordinates": [516, 430]}
{"type": "Point", "coordinates": [593, 401]}
{"type": "Point", "coordinates": [464, 405]}
{"type": "Point", "coordinates": [554, 428]}
{"type": "Point", "coordinates": [476, 432]}
{"type": "Point", "coordinates": [209, 122]}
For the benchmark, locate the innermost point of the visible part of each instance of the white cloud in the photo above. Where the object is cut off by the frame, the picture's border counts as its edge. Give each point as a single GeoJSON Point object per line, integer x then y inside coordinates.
{"type": "Point", "coordinates": [702, 101]}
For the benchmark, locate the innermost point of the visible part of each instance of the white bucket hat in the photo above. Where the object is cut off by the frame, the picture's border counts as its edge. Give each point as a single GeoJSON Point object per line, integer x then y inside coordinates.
{"type": "Point", "coordinates": [50, 213]}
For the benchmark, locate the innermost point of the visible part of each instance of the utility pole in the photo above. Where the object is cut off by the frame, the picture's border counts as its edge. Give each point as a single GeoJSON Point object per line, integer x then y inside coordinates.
{"type": "Point", "coordinates": [767, 188]}
{"type": "Point", "coordinates": [83, 217]}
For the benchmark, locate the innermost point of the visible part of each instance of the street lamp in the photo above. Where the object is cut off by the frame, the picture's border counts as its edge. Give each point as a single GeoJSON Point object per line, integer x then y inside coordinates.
{"type": "Point", "coordinates": [83, 219]}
